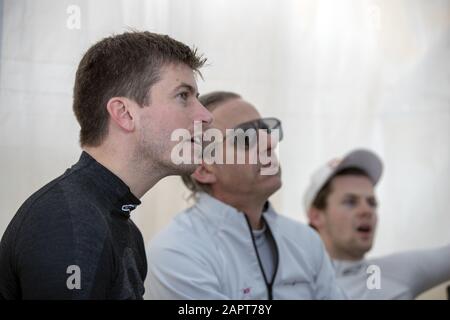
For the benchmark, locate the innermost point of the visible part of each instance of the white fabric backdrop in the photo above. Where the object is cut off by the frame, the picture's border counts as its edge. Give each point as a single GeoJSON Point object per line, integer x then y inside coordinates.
{"type": "Point", "coordinates": [340, 74]}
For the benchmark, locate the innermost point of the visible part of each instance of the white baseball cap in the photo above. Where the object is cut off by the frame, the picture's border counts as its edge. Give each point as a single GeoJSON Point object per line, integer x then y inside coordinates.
{"type": "Point", "coordinates": [362, 159]}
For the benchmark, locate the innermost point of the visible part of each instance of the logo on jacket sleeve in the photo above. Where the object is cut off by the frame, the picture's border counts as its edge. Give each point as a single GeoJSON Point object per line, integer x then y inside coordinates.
{"type": "Point", "coordinates": [246, 293]}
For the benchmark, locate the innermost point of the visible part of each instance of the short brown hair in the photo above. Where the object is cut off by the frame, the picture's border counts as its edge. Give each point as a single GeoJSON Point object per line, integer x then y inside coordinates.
{"type": "Point", "coordinates": [320, 201]}
{"type": "Point", "coordinates": [210, 101]}
{"type": "Point", "coordinates": [122, 65]}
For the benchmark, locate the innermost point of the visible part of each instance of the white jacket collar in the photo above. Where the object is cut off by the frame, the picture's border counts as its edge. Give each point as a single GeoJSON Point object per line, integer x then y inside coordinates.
{"type": "Point", "coordinates": [346, 267]}
{"type": "Point", "coordinates": [223, 215]}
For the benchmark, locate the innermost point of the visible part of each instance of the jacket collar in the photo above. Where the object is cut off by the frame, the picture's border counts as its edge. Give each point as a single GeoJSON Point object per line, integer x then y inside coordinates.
{"type": "Point", "coordinates": [110, 185]}
{"type": "Point", "coordinates": [225, 216]}
{"type": "Point", "coordinates": [345, 267]}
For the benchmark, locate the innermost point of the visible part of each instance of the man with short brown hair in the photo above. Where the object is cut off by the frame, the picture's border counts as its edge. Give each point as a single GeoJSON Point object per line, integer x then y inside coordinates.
{"type": "Point", "coordinates": [74, 239]}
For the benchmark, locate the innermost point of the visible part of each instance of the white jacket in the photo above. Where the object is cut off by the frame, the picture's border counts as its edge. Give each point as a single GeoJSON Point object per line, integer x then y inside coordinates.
{"type": "Point", "coordinates": [207, 252]}
{"type": "Point", "coordinates": [402, 275]}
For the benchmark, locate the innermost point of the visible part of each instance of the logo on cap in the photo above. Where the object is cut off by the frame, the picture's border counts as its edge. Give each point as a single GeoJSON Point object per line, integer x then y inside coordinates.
{"type": "Point", "coordinates": [333, 163]}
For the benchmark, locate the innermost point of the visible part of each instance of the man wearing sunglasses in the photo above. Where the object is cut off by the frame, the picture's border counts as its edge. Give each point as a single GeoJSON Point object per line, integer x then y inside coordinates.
{"type": "Point", "coordinates": [232, 244]}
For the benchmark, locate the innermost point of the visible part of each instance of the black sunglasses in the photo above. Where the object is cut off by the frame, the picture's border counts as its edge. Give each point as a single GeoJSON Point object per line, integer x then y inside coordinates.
{"type": "Point", "coordinates": [245, 135]}
{"type": "Point", "coordinates": [248, 131]}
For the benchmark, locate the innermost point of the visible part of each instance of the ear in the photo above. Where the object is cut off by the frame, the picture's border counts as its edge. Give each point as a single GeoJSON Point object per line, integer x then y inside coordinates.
{"type": "Point", "coordinates": [203, 175]}
{"type": "Point", "coordinates": [316, 217]}
{"type": "Point", "coordinates": [119, 111]}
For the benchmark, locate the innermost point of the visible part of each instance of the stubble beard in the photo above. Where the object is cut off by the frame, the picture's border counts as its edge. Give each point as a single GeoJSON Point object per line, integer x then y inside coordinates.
{"type": "Point", "coordinates": [156, 155]}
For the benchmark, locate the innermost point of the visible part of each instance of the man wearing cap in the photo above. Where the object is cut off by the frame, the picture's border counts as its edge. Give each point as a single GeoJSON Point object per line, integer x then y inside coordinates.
{"type": "Point", "coordinates": [232, 244]}
{"type": "Point", "coordinates": [341, 205]}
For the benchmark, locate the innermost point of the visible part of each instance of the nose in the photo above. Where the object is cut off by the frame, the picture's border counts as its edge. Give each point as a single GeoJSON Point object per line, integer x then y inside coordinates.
{"type": "Point", "coordinates": [202, 114]}
{"type": "Point", "coordinates": [366, 210]}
